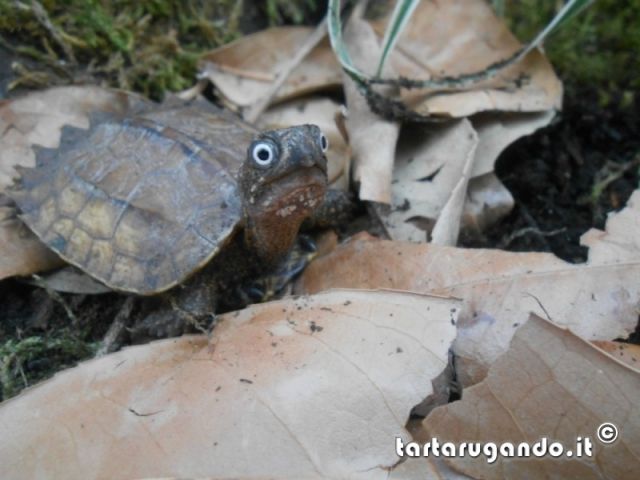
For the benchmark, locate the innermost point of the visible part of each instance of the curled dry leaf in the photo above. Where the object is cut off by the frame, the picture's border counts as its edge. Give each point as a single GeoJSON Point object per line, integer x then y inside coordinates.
{"type": "Point", "coordinates": [372, 138]}
{"type": "Point", "coordinates": [429, 164]}
{"type": "Point", "coordinates": [488, 201]}
{"type": "Point", "coordinates": [321, 112]}
{"type": "Point", "coordinates": [550, 383]}
{"type": "Point", "coordinates": [464, 36]}
{"type": "Point", "coordinates": [496, 131]}
{"type": "Point", "coordinates": [447, 227]}
{"type": "Point", "coordinates": [431, 175]}
{"type": "Point", "coordinates": [627, 353]}
{"type": "Point", "coordinates": [244, 70]}
{"type": "Point", "coordinates": [308, 387]}
{"type": "Point", "coordinates": [597, 300]}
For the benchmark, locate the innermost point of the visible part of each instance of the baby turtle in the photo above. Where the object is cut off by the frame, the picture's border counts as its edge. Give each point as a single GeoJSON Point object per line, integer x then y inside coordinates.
{"type": "Point", "coordinates": [143, 203]}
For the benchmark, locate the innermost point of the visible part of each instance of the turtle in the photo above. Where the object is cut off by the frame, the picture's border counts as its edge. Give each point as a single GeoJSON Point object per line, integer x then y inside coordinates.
{"type": "Point", "coordinates": [142, 203]}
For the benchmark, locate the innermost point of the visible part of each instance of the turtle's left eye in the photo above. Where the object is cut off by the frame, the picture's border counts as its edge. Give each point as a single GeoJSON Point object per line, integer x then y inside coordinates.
{"type": "Point", "coordinates": [263, 154]}
{"type": "Point", "coordinates": [324, 143]}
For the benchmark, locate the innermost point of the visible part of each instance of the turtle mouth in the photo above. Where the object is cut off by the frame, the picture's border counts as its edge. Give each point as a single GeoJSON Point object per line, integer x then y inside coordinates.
{"type": "Point", "coordinates": [302, 188]}
{"type": "Point", "coordinates": [300, 178]}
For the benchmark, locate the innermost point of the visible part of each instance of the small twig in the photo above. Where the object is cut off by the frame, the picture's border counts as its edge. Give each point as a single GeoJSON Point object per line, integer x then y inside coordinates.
{"type": "Point", "coordinates": [535, 229]}
{"type": "Point", "coordinates": [255, 110]}
{"type": "Point", "coordinates": [525, 231]}
{"type": "Point", "coordinates": [110, 339]}
{"type": "Point", "coordinates": [43, 18]}
{"type": "Point", "coordinates": [23, 375]}
{"type": "Point", "coordinates": [455, 82]}
{"type": "Point", "coordinates": [540, 305]}
{"type": "Point", "coordinates": [29, 78]}
{"type": "Point", "coordinates": [489, 72]}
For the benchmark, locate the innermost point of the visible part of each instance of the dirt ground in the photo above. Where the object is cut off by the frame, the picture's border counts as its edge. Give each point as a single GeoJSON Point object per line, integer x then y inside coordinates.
{"type": "Point", "coordinates": [566, 177]}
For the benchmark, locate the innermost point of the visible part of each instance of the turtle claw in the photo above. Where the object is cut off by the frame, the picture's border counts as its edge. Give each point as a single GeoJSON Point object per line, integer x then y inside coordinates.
{"type": "Point", "coordinates": [248, 294]}
{"type": "Point", "coordinates": [290, 268]}
{"type": "Point", "coordinates": [307, 244]}
{"type": "Point", "coordinates": [255, 292]}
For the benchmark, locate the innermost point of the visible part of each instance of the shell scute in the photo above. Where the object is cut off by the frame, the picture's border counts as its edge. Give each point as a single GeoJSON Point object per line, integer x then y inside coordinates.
{"type": "Point", "coordinates": [80, 242]}
{"type": "Point", "coordinates": [98, 216]}
{"type": "Point", "coordinates": [63, 227]}
{"type": "Point", "coordinates": [101, 254]}
{"type": "Point", "coordinates": [71, 201]}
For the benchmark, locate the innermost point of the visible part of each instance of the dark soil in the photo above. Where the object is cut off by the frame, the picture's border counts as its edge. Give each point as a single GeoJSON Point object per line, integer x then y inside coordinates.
{"type": "Point", "coordinates": [566, 177]}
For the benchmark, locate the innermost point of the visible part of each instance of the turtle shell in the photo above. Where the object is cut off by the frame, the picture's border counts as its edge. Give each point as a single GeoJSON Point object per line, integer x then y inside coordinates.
{"type": "Point", "coordinates": [139, 203]}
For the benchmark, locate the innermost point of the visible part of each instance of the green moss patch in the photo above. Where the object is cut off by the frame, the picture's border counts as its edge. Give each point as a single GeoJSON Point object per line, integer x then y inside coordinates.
{"type": "Point", "coordinates": [149, 46]}
{"type": "Point", "coordinates": [597, 48]}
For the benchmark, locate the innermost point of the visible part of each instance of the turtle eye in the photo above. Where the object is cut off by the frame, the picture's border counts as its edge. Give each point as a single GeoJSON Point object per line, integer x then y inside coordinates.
{"type": "Point", "coordinates": [324, 143]}
{"type": "Point", "coordinates": [263, 154]}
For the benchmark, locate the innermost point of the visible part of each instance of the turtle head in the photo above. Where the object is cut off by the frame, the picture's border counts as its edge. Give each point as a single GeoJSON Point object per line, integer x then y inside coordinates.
{"type": "Point", "coordinates": [283, 179]}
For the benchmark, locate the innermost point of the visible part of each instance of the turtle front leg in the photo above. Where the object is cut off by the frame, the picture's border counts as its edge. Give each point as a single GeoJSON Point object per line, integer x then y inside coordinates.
{"type": "Point", "coordinates": [337, 208]}
{"type": "Point", "coordinates": [188, 308]}
{"type": "Point", "coordinates": [272, 283]}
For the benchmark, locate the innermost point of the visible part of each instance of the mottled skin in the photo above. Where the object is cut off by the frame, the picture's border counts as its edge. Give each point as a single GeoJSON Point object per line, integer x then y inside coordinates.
{"type": "Point", "coordinates": [146, 203]}
{"type": "Point", "coordinates": [276, 199]}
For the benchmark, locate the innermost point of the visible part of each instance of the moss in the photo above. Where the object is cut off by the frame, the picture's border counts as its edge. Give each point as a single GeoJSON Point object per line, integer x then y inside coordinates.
{"type": "Point", "coordinates": [24, 362]}
{"type": "Point", "coordinates": [597, 48]}
{"type": "Point", "coordinates": [148, 46]}
{"type": "Point", "coordinates": [285, 11]}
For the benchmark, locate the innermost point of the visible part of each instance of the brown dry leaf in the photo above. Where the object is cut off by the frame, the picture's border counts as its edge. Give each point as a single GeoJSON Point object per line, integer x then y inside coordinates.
{"type": "Point", "coordinates": [21, 252]}
{"type": "Point", "coordinates": [627, 353]}
{"type": "Point", "coordinates": [447, 227]}
{"type": "Point", "coordinates": [321, 112]}
{"type": "Point", "coordinates": [244, 70]}
{"type": "Point", "coordinates": [621, 241]}
{"type": "Point", "coordinates": [465, 36]}
{"type": "Point", "coordinates": [429, 176]}
{"type": "Point", "coordinates": [488, 201]}
{"type": "Point", "coordinates": [598, 300]}
{"type": "Point", "coordinates": [429, 164]}
{"type": "Point", "coordinates": [551, 384]}
{"type": "Point", "coordinates": [372, 138]}
{"type": "Point", "coordinates": [305, 387]}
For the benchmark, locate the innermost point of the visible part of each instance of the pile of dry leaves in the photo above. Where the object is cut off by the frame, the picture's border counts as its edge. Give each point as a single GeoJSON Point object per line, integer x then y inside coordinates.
{"type": "Point", "coordinates": [322, 384]}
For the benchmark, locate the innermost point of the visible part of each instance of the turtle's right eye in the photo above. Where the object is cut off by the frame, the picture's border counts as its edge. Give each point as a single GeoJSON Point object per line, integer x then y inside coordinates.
{"type": "Point", "coordinates": [263, 154]}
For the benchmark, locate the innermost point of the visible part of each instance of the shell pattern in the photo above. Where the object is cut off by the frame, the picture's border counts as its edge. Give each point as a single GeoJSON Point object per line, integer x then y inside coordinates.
{"type": "Point", "coordinates": [140, 203]}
